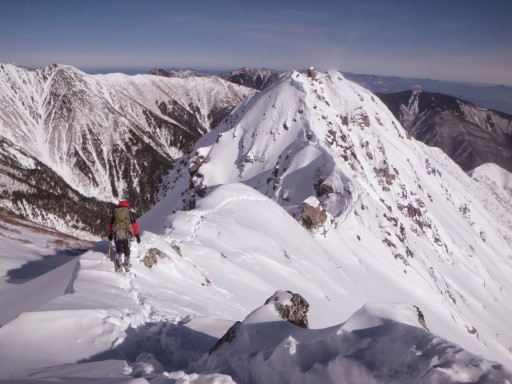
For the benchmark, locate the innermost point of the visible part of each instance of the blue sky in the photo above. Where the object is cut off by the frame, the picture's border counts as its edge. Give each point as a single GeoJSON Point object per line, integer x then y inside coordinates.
{"type": "Point", "coordinates": [464, 40]}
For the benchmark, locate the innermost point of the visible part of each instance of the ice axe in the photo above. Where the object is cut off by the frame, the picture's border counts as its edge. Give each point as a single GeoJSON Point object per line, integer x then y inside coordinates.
{"type": "Point", "coordinates": [108, 253]}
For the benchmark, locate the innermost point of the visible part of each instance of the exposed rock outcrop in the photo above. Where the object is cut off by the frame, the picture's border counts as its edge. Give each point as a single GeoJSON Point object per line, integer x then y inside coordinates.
{"type": "Point", "coordinates": [251, 77]}
{"type": "Point", "coordinates": [195, 165]}
{"type": "Point", "coordinates": [421, 318]}
{"type": "Point", "coordinates": [227, 338]}
{"type": "Point", "coordinates": [295, 311]}
{"type": "Point", "coordinates": [152, 256]}
{"type": "Point", "coordinates": [285, 305]}
{"type": "Point", "coordinates": [312, 213]}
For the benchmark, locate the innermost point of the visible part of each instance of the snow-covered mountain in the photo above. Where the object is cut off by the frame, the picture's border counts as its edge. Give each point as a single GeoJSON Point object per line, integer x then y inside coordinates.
{"type": "Point", "coordinates": [177, 73]}
{"type": "Point", "coordinates": [310, 186]}
{"type": "Point", "coordinates": [256, 78]}
{"type": "Point", "coordinates": [331, 154]}
{"type": "Point", "coordinates": [496, 97]}
{"type": "Point", "coordinates": [251, 77]}
{"type": "Point", "coordinates": [84, 141]}
{"type": "Point", "coordinates": [469, 134]}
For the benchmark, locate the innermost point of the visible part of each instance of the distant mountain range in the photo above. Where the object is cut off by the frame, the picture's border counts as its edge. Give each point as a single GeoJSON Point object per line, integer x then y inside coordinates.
{"type": "Point", "coordinates": [249, 77]}
{"type": "Point", "coordinates": [497, 97]}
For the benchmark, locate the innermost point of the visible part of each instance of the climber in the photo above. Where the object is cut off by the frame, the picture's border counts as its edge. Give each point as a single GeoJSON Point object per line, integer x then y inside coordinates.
{"type": "Point", "coordinates": [122, 228]}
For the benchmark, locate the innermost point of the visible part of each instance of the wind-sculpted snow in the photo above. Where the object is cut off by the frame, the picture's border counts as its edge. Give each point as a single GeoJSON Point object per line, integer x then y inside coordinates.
{"type": "Point", "coordinates": [215, 204]}
{"type": "Point", "coordinates": [37, 292]}
{"type": "Point", "coordinates": [497, 180]}
{"type": "Point", "coordinates": [372, 346]}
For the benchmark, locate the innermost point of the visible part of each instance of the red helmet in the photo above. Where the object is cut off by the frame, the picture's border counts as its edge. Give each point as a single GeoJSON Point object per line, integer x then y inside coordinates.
{"type": "Point", "coordinates": [123, 203]}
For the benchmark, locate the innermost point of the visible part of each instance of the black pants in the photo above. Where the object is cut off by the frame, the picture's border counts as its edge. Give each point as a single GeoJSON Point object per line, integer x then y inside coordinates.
{"type": "Point", "coordinates": [123, 246]}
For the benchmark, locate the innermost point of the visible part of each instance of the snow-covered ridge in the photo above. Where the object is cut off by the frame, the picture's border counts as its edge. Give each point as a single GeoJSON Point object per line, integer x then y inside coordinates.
{"type": "Point", "coordinates": [58, 112]}
{"type": "Point", "coordinates": [390, 203]}
{"type": "Point", "coordinates": [251, 77]}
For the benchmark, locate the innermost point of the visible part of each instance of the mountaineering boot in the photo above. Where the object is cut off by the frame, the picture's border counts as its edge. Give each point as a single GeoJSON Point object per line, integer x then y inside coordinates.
{"type": "Point", "coordinates": [127, 264]}
{"type": "Point", "coordinates": [117, 263]}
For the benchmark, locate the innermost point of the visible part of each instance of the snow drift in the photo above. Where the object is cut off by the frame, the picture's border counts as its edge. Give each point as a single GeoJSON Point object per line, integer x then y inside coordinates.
{"type": "Point", "coordinates": [380, 343]}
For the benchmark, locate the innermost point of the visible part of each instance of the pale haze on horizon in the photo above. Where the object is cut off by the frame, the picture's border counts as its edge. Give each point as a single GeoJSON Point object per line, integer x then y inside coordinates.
{"type": "Point", "coordinates": [468, 41]}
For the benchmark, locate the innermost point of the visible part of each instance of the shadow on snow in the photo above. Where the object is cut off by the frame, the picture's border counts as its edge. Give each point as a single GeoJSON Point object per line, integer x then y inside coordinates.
{"type": "Point", "coordinates": [47, 263]}
{"type": "Point", "coordinates": [173, 346]}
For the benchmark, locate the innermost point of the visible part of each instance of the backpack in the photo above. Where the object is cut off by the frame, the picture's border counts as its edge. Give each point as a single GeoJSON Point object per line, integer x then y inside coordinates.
{"type": "Point", "coordinates": [122, 223]}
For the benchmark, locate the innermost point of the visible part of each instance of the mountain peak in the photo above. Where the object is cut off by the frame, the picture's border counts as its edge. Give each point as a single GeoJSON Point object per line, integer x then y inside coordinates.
{"type": "Point", "coordinates": [301, 119]}
{"type": "Point", "coordinates": [334, 157]}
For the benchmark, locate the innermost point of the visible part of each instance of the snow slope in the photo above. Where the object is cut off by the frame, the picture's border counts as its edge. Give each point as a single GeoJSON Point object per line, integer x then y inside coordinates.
{"type": "Point", "coordinates": [217, 267]}
{"type": "Point", "coordinates": [404, 228]}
